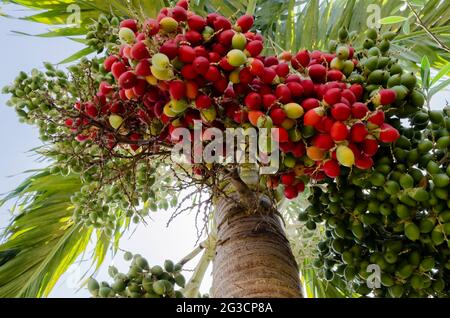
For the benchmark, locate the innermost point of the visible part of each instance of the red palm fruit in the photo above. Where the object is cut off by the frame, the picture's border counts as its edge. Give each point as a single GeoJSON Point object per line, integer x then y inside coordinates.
{"type": "Point", "coordinates": [268, 75]}
{"type": "Point", "coordinates": [183, 3]}
{"type": "Point", "coordinates": [211, 17]}
{"type": "Point", "coordinates": [225, 37]}
{"type": "Point", "coordinates": [201, 65]}
{"type": "Point", "coordinates": [270, 61]}
{"type": "Point", "coordinates": [221, 85]}
{"type": "Point", "coordinates": [253, 116]}
{"type": "Point", "coordinates": [125, 52]}
{"type": "Point", "coordinates": [287, 146]}
{"type": "Point", "coordinates": [245, 22]}
{"type": "Point", "coordinates": [313, 116]}
{"type": "Point", "coordinates": [213, 74]}
{"type": "Point", "coordinates": [177, 89]}
{"type": "Point", "coordinates": [140, 37]}
{"type": "Point", "coordinates": [169, 48]}
{"type": "Point", "coordinates": [290, 192]}
{"type": "Point", "coordinates": [359, 110]}
{"type": "Point", "coordinates": [214, 57]}
{"type": "Point", "coordinates": [240, 89]}
{"type": "Point", "coordinates": [151, 27]}
{"type": "Point", "coordinates": [278, 116]}
{"type": "Point", "coordinates": [363, 162]}
{"type": "Point", "coordinates": [269, 100]}
{"type": "Point", "coordinates": [303, 58]}
{"type": "Point", "coordinates": [203, 101]}
{"type": "Point", "coordinates": [188, 72]}
{"type": "Point", "coordinates": [340, 111]}
{"type": "Point", "coordinates": [317, 73]}
{"type": "Point", "coordinates": [221, 23]}
{"type": "Point", "coordinates": [130, 24]}
{"type": "Point", "coordinates": [376, 118]}
{"type": "Point", "coordinates": [91, 110]}
{"type": "Point", "coordinates": [117, 69]}
{"type": "Point", "coordinates": [109, 61]}
{"type": "Point", "coordinates": [139, 51]}
{"type": "Point", "coordinates": [179, 13]}
{"type": "Point", "coordinates": [325, 124]}
{"type": "Point", "coordinates": [385, 97]}
{"type": "Point", "coordinates": [358, 132]}
{"type": "Point", "coordinates": [300, 186]}
{"type": "Point", "coordinates": [332, 96]}
{"type": "Point", "coordinates": [105, 88]}
{"type": "Point", "coordinates": [280, 135]}
{"type": "Point", "coordinates": [283, 93]}
{"type": "Point", "coordinates": [127, 80]}
{"type": "Point", "coordinates": [282, 69]}
{"type": "Point", "coordinates": [240, 116]}
{"type": "Point", "coordinates": [331, 168]}
{"type": "Point", "coordinates": [201, 51]}
{"type": "Point", "coordinates": [69, 122]}
{"type": "Point", "coordinates": [286, 56]}
{"type": "Point", "coordinates": [308, 87]}
{"type": "Point", "coordinates": [257, 67]}
{"type": "Point", "coordinates": [295, 88]}
{"type": "Point", "coordinates": [287, 179]}
{"type": "Point", "coordinates": [196, 22]}
{"type": "Point", "coordinates": [370, 146]}
{"type": "Point", "coordinates": [193, 37]}
{"type": "Point", "coordinates": [388, 133]}
{"type": "Point", "coordinates": [310, 103]}
{"type": "Point", "coordinates": [298, 150]}
{"type": "Point", "coordinates": [140, 88]}
{"type": "Point", "coordinates": [254, 47]}
{"type": "Point", "coordinates": [358, 90]}
{"type": "Point", "coordinates": [186, 54]}
{"type": "Point", "coordinates": [220, 49]}
{"type": "Point", "coordinates": [245, 76]}
{"type": "Point", "coordinates": [315, 153]}
{"type": "Point", "coordinates": [335, 75]}
{"type": "Point", "coordinates": [143, 68]}
{"type": "Point", "coordinates": [323, 141]}
{"type": "Point", "coordinates": [225, 65]}
{"type": "Point", "coordinates": [345, 101]}
{"type": "Point", "coordinates": [293, 78]}
{"type": "Point", "coordinates": [253, 101]}
{"type": "Point", "coordinates": [339, 131]}
{"type": "Point", "coordinates": [348, 95]}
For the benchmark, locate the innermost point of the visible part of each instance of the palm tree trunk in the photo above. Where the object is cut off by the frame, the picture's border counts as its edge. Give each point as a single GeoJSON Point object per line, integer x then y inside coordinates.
{"type": "Point", "coordinates": [253, 256]}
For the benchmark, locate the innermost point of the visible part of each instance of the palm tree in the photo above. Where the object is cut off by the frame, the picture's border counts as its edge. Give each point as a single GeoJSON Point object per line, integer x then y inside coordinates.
{"type": "Point", "coordinates": [288, 25]}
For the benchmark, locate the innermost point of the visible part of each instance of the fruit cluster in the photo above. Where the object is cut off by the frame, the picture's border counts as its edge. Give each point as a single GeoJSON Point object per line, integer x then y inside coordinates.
{"type": "Point", "coordinates": [181, 67]}
{"type": "Point", "coordinates": [141, 281]}
{"type": "Point", "coordinates": [397, 214]}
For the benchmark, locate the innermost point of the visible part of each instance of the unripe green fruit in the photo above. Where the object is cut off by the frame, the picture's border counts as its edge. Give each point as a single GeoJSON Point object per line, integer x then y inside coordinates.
{"type": "Point", "coordinates": [401, 92]}
{"type": "Point", "coordinates": [115, 121]}
{"type": "Point", "coordinates": [368, 43]}
{"type": "Point", "coordinates": [348, 67]}
{"type": "Point", "coordinates": [168, 24]}
{"type": "Point", "coordinates": [384, 46]}
{"type": "Point", "coordinates": [93, 286]}
{"type": "Point", "coordinates": [169, 266]}
{"type": "Point", "coordinates": [343, 34]}
{"type": "Point", "coordinates": [372, 34]}
{"type": "Point", "coordinates": [207, 33]}
{"type": "Point", "coordinates": [390, 35]}
{"type": "Point", "coordinates": [412, 231]}
{"type": "Point", "coordinates": [409, 80]}
{"type": "Point", "coordinates": [374, 51]}
{"type": "Point", "coordinates": [337, 64]}
{"type": "Point", "coordinates": [236, 57]}
{"type": "Point", "coordinates": [126, 35]}
{"type": "Point", "coordinates": [239, 41]}
{"type": "Point", "coordinates": [406, 181]}
{"type": "Point", "coordinates": [417, 99]}
{"type": "Point", "coordinates": [396, 69]}
{"type": "Point", "coordinates": [156, 270]}
{"type": "Point", "coordinates": [104, 292]}
{"type": "Point", "coordinates": [342, 52]}
{"type": "Point", "coordinates": [371, 63]}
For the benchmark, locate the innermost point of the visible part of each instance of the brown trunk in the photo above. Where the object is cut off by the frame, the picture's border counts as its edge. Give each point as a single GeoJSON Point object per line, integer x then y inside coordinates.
{"type": "Point", "coordinates": [253, 257]}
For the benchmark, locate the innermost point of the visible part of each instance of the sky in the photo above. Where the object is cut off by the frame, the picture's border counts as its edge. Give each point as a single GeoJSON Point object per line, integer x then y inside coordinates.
{"type": "Point", "coordinates": [155, 241]}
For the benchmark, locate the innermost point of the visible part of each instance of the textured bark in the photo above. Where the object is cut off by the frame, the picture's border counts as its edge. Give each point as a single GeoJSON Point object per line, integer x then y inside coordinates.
{"type": "Point", "coordinates": [253, 257]}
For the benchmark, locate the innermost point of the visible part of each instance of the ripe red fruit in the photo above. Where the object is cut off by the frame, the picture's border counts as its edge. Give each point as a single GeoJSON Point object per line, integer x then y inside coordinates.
{"type": "Point", "coordinates": [269, 100]}
{"type": "Point", "coordinates": [254, 115]}
{"type": "Point", "coordinates": [225, 37]}
{"type": "Point", "coordinates": [140, 87]}
{"type": "Point", "coordinates": [308, 87]}
{"type": "Point", "coordinates": [310, 103]}
{"type": "Point", "coordinates": [254, 47]}
{"type": "Point", "coordinates": [386, 96]}
{"type": "Point", "coordinates": [105, 88]}
{"type": "Point", "coordinates": [339, 131]}
{"type": "Point", "coordinates": [388, 133]}
{"type": "Point", "coordinates": [221, 23]}
{"type": "Point", "coordinates": [240, 116]}
{"type": "Point", "coordinates": [151, 27]}
{"type": "Point", "coordinates": [130, 24]}
{"type": "Point", "coordinates": [139, 51]}
{"type": "Point", "coordinates": [278, 116]}
{"type": "Point", "coordinates": [300, 186]}
{"type": "Point", "coordinates": [358, 90]}
{"type": "Point", "coordinates": [359, 110]}
{"type": "Point", "coordinates": [257, 67]}
{"type": "Point", "coordinates": [196, 22]}
{"type": "Point", "coordinates": [186, 54]}
{"type": "Point", "coordinates": [295, 88]}
{"type": "Point", "coordinates": [349, 95]}
{"type": "Point", "coordinates": [253, 101]}
{"type": "Point", "coordinates": [283, 93]}
{"type": "Point", "coordinates": [370, 146]}
{"type": "Point", "coordinates": [332, 96]}
{"type": "Point", "coordinates": [245, 22]}
{"type": "Point", "coordinates": [213, 74]}
{"type": "Point", "coordinates": [91, 110]}
{"type": "Point", "coordinates": [177, 89]}
{"type": "Point", "coordinates": [127, 80]}
{"type": "Point", "coordinates": [143, 68]}
{"type": "Point", "coordinates": [193, 37]}
{"type": "Point", "coordinates": [282, 69]}
{"type": "Point", "coordinates": [287, 179]}
{"type": "Point", "coordinates": [191, 89]}
{"type": "Point", "coordinates": [325, 124]}
{"type": "Point", "coordinates": [221, 85]}
{"type": "Point", "coordinates": [290, 192]}
{"type": "Point", "coordinates": [303, 58]}
{"type": "Point", "coordinates": [183, 3]}
{"type": "Point", "coordinates": [109, 61]}
{"type": "Point", "coordinates": [323, 141]}
{"type": "Point", "coordinates": [201, 65]}
{"type": "Point", "coordinates": [188, 72]}
{"type": "Point", "coordinates": [313, 116]}
{"type": "Point", "coordinates": [358, 132]}
{"type": "Point", "coordinates": [245, 76]}
{"type": "Point", "coordinates": [317, 73]}
{"type": "Point", "coordinates": [331, 168]}
{"type": "Point", "coordinates": [179, 13]}
{"type": "Point", "coordinates": [203, 101]}
{"type": "Point", "coordinates": [225, 65]}
{"type": "Point", "coordinates": [377, 118]}
{"type": "Point", "coordinates": [117, 69]}
{"type": "Point", "coordinates": [169, 48]}
{"type": "Point", "coordinates": [335, 75]}
{"type": "Point", "coordinates": [340, 111]}
{"type": "Point", "coordinates": [363, 162]}
{"type": "Point", "coordinates": [280, 135]}
{"type": "Point", "coordinates": [268, 75]}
